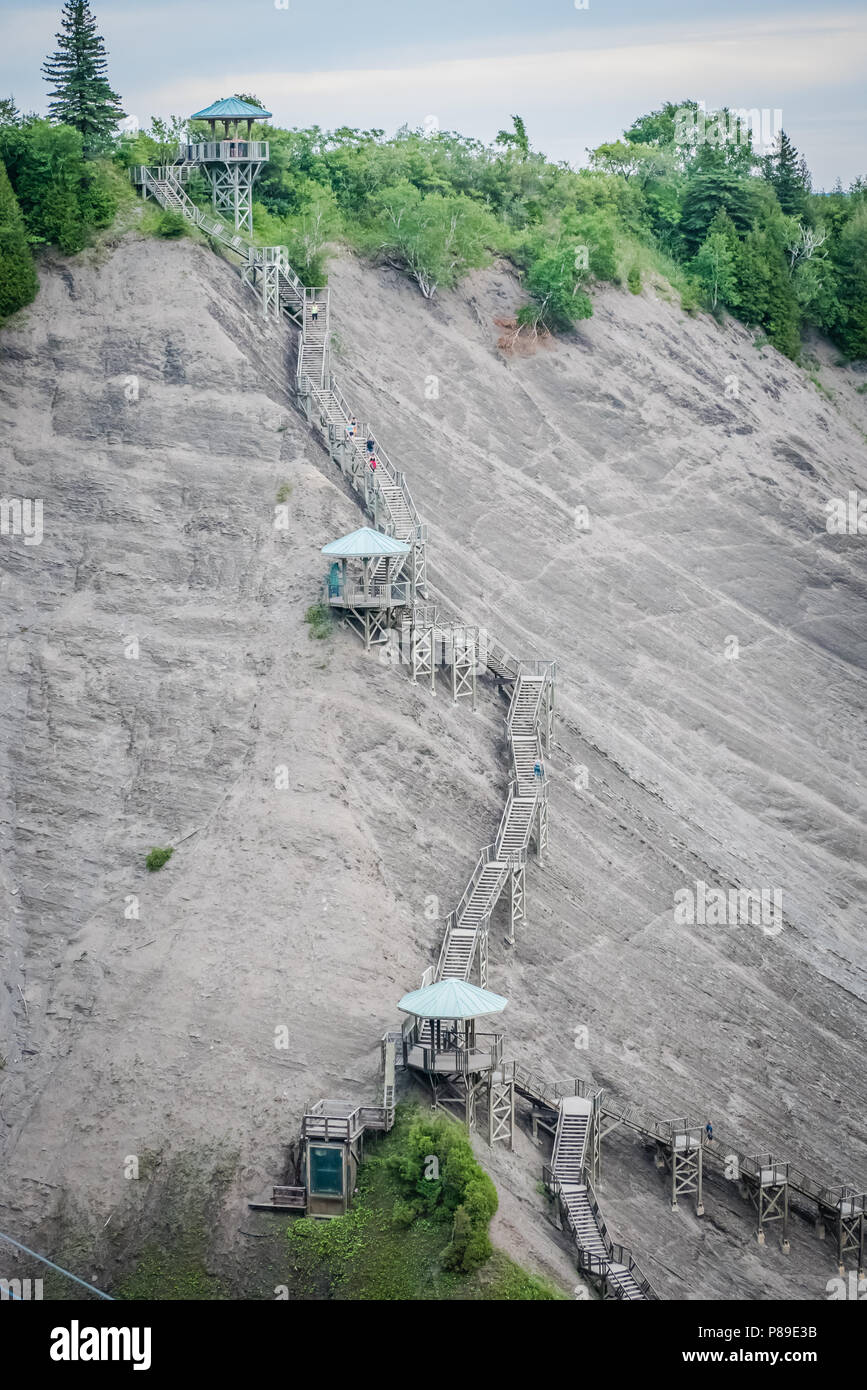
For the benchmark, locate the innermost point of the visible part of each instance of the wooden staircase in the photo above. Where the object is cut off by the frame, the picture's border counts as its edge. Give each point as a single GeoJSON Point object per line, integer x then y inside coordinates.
{"type": "Point", "coordinates": [599, 1257]}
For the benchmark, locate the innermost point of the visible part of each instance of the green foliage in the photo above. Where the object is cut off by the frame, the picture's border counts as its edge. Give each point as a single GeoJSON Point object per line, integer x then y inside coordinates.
{"type": "Point", "coordinates": [555, 283]}
{"type": "Point", "coordinates": [724, 227]}
{"type": "Point", "coordinates": [715, 262]}
{"type": "Point", "coordinates": [850, 260]}
{"type": "Point", "coordinates": [438, 1175]}
{"type": "Point", "coordinates": [62, 195]}
{"type": "Point", "coordinates": [515, 139]}
{"type": "Point", "coordinates": [171, 224]}
{"type": "Point", "coordinates": [18, 282]}
{"type": "Point", "coordinates": [707, 194]}
{"type": "Point", "coordinates": [157, 858]}
{"type": "Point", "coordinates": [689, 300]}
{"type": "Point", "coordinates": [789, 177]}
{"type": "Point", "coordinates": [436, 238]}
{"type": "Point", "coordinates": [318, 617]}
{"type": "Point", "coordinates": [80, 90]}
{"type": "Point", "coordinates": [388, 1247]}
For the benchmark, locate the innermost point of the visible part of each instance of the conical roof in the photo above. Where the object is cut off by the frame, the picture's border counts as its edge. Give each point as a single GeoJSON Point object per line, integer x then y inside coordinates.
{"type": "Point", "coordinates": [452, 999]}
{"type": "Point", "coordinates": [228, 109]}
{"type": "Point", "coordinates": [364, 544]}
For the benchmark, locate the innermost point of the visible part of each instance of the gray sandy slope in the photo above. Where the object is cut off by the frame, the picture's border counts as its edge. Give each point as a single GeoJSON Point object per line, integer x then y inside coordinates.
{"type": "Point", "coordinates": [305, 908]}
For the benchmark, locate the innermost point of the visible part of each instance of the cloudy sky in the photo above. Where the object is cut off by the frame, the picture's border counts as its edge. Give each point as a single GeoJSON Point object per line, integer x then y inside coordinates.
{"type": "Point", "coordinates": [577, 76]}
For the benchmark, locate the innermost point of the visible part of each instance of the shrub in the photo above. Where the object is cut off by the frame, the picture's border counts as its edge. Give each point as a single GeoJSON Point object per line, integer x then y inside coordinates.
{"type": "Point", "coordinates": [171, 224]}
{"type": "Point", "coordinates": [462, 1188]}
{"type": "Point", "coordinates": [158, 857]}
{"type": "Point", "coordinates": [318, 617]}
{"type": "Point", "coordinates": [633, 279]}
{"type": "Point", "coordinates": [689, 300]}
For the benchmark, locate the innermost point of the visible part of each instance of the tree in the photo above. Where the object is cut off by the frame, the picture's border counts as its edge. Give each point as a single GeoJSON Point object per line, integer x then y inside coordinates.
{"type": "Point", "coordinates": [555, 283]}
{"type": "Point", "coordinates": [82, 96]}
{"type": "Point", "coordinates": [18, 282]}
{"type": "Point", "coordinates": [706, 194]}
{"type": "Point", "coordinates": [787, 174]}
{"type": "Point", "coordinates": [515, 139]}
{"type": "Point", "coordinates": [436, 239]}
{"type": "Point", "coordinates": [851, 264]}
{"type": "Point", "coordinates": [658, 127]}
{"type": "Point", "coordinates": [61, 194]}
{"type": "Point", "coordinates": [629, 160]}
{"type": "Point", "coordinates": [714, 262]}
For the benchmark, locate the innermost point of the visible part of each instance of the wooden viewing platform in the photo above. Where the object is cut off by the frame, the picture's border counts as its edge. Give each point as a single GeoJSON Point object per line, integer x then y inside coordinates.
{"type": "Point", "coordinates": [205, 151]}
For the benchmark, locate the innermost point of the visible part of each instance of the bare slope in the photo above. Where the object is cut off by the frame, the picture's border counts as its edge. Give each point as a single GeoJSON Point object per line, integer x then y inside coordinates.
{"type": "Point", "coordinates": [304, 907]}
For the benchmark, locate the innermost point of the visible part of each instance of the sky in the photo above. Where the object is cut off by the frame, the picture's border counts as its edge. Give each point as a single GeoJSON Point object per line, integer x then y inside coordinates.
{"type": "Point", "coordinates": [577, 76]}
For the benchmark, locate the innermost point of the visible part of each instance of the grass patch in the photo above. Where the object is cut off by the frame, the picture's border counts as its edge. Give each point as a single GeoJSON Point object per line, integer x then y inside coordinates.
{"type": "Point", "coordinates": [374, 1254]}
{"type": "Point", "coordinates": [318, 618]}
{"type": "Point", "coordinates": [158, 857]}
{"type": "Point", "coordinates": [178, 1201]}
{"type": "Point", "coordinates": [284, 491]}
{"type": "Point", "coordinates": [172, 1276]}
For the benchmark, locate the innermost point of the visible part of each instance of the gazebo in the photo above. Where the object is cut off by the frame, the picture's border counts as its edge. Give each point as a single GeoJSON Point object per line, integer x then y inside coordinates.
{"type": "Point", "coordinates": [364, 580]}
{"type": "Point", "coordinates": [440, 1040]}
{"type": "Point", "coordinates": [232, 164]}
{"type": "Point", "coordinates": [231, 111]}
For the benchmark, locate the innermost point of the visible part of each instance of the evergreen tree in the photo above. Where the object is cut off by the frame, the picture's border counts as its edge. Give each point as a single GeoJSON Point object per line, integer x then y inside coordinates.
{"type": "Point", "coordinates": [716, 259]}
{"type": "Point", "coordinates": [850, 257]}
{"type": "Point", "coordinates": [786, 172]}
{"type": "Point", "coordinates": [82, 96]}
{"type": "Point", "coordinates": [18, 282]}
{"type": "Point", "coordinates": [752, 275]}
{"type": "Point", "coordinates": [706, 193]}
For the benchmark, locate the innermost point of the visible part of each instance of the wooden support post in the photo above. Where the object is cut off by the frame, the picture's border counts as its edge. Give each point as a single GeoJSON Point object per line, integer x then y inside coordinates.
{"type": "Point", "coordinates": [684, 1154]}
{"type": "Point", "coordinates": [541, 823]}
{"type": "Point", "coordinates": [517, 898]}
{"type": "Point", "coordinates": [483, 957]}
{"type": "Point", "coordinates": [501, 1110]}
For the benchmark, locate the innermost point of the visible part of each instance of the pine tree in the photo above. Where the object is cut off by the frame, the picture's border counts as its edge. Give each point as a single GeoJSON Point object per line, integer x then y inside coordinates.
{"type": "Point", "coordinates": [787, 172]}
{"type": "Point", "coordinates": [851, 265]}
{"type": "Point", "coordinates": [82, 95]}
{"type": "Point", "coordinates": [18, 282]}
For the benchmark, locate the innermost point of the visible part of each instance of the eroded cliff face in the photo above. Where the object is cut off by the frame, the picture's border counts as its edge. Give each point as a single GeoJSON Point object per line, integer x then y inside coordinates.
{"type": "Point", "coordinates": [160, 672]}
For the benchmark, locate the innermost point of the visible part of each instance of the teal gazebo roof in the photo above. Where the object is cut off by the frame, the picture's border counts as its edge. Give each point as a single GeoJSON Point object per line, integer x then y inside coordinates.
{"type": "Point", "coordinates": [228, 109]}
{"type": "Point", "coordinates": [364, 544]}
{"type": "Point", "coordinates": [452, 999]}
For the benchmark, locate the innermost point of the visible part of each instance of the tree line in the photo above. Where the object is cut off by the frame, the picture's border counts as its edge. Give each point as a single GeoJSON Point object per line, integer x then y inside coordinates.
{"type": "Point", "coordinates": [685, 193]}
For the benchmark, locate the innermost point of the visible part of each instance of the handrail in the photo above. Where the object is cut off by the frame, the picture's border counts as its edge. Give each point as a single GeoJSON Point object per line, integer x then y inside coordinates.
{"type": "Point", "coordinates": [202, 151]}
